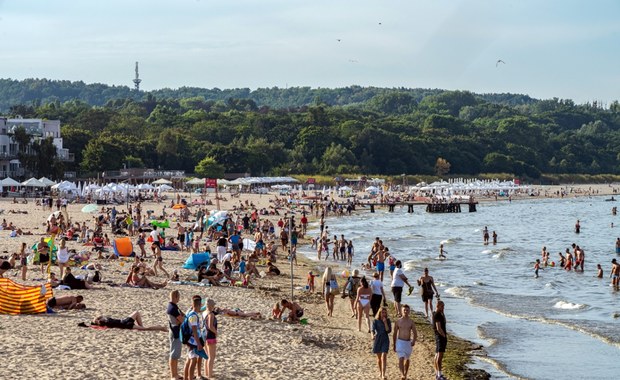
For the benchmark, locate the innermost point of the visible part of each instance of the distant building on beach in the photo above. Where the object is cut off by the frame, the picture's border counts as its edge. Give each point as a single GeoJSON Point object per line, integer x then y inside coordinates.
{"type": "Point", "coordinates": [37, 129]}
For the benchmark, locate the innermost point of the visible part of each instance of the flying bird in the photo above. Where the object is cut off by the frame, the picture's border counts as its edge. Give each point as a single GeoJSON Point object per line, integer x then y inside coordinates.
{"type": "Point", "coordinates": [498, 62]}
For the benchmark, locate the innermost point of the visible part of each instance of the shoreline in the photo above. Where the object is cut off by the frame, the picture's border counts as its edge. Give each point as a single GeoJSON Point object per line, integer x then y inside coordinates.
{"type": "Point", "coordinates": [458, 358]}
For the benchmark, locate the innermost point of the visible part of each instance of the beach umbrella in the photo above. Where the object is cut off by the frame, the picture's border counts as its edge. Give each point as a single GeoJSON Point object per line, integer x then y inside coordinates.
{"type": "Point", "coordinates": [10, 182]}
{"type": "Point", "coordinates": [162, 181]}
{"type": "Point", "coordinates": [196, 181]}
{"type": "Point", "coordinates": [47, 182]}
{"type": "Point", "coordinates": [90, 208]}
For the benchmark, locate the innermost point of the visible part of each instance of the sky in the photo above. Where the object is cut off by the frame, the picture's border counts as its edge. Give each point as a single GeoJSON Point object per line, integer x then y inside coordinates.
{"type": "Point", "coordinates": [549, 48]}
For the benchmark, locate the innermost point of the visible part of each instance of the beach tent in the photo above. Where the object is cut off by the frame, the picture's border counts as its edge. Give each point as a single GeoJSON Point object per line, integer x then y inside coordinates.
{"type": "Point", "coordinates": [197, 259]}
{"type": "Point", "coordinates": [123, 247]}
{"type": "Point", "coordinates": [23, 299]}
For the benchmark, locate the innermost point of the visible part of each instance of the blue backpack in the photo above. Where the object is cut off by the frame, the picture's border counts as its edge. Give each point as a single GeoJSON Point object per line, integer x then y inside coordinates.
{"type": "Point", "coordinates": [186, 329]}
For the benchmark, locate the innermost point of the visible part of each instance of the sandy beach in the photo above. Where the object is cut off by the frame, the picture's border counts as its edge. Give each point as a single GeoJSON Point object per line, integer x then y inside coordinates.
{"type": "Point", "coordinates": [52, 346]}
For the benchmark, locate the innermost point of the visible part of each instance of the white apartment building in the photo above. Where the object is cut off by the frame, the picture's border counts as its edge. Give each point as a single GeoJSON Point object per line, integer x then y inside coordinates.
{"type": "Point", "coordinates": [38, 129]}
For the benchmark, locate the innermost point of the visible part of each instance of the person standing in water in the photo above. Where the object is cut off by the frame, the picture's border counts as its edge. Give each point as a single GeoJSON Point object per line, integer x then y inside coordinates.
{"type": "Point", "coordinates": [494, 238]}
{"type": "Point", "coordinates": [427, 284]}
{"type": "Point", "coordinates": [577, 227]}
{"type": "Point", "coordinates": [442, 253]}
{"type": "Point", "coordinates": [536, 268]}
{"type": "Point", "coordinates": [618, 246]}
{"type": "Point", "coordinates": [485, 235]}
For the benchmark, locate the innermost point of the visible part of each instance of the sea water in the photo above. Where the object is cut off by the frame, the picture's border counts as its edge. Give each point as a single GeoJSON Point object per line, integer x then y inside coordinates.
{"type": "Point", "coordinates": [560, 325]}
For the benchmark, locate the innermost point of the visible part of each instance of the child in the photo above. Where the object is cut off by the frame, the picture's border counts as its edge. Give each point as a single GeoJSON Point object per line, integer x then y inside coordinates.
{"type": "Point", "coordinates": [242, 265]}
{"type": "Point", "coordinates": [311, 282]}
{"type": "Point", "coordinates": [246, 281]}
{"type": "Point", "coordinates": [536, 268]}
{"type": "Point", "coordinates": [275, 312]}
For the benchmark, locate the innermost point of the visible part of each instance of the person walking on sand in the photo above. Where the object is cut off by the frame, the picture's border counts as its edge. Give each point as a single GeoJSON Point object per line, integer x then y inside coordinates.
{"type": "Point", "coordinates": [398, 282]}
{"type": "Point", "coordinates": [362, 303]}
{"type": "Point", "coordinates": [381, 329]}
{"type": "Point", "coordinates": [378, 294]}
{"type": "Point", "coordinates": [405, 336]}
{"type": "Point", "coordinates": [175, 318]}
{"type": "Point", "coordinates": [441, 338]}
{"type": "Point", "coordinates": [329, 289]}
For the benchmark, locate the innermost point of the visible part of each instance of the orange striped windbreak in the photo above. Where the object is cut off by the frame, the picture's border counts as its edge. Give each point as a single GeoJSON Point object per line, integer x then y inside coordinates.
{"type": "Point", "coordinates": [22, 299]}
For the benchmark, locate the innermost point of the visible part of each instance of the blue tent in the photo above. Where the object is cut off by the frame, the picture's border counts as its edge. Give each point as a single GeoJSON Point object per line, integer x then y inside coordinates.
{"type": "Point", "coordinates": [196, 259]}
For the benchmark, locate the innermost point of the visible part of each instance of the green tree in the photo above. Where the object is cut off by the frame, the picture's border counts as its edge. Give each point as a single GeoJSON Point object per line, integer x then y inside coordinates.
{"type": "Point", "coordinates": [209, 168]}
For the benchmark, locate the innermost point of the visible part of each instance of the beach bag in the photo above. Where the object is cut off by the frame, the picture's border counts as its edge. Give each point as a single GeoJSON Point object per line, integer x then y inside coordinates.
{"type": "Point", "coordinates": [333, 285]}
{"type": "Point", "coordinates": [186, 329]}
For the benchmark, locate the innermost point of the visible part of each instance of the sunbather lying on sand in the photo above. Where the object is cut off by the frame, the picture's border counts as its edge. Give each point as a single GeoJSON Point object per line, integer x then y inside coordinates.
{"type": "Point", "coordinates": [132, 322]}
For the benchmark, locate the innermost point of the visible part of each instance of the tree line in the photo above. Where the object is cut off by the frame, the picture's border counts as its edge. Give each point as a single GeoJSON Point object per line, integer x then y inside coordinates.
{"type": "Point", "coordinates": [336, 131]}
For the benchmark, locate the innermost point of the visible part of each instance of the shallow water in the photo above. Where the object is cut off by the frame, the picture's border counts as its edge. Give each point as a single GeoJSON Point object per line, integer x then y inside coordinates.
{"type": "Point", "coordinates": [530, 327]}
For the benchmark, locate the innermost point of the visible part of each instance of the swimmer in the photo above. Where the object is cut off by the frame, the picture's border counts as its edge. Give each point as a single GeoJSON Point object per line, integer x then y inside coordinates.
{"type": "Point", "coordinates": [600, 271]}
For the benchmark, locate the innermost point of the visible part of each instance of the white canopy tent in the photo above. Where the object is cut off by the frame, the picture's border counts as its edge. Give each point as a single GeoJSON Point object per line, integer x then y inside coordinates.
{"type": "Point", "coordinates": [8, 181]}
{"type": "Point", "coordinates": [47, 182]}
{"type": "Point", "coordinates": [33, 182]}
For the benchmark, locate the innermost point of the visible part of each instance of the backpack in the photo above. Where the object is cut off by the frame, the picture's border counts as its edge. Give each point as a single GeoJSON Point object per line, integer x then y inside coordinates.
{"type": "Point", "coordinates": [352, 285]}
{"type": "Point", "coordinates": [186, 329]}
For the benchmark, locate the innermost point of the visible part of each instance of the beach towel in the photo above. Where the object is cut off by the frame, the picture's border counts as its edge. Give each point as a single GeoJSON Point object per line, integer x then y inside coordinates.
{"type": "Point", "coordinates": [23, 299]}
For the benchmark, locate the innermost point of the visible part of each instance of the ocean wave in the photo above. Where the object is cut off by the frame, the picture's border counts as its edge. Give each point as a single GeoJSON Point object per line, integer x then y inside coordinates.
{"type": "Point", "coordinates": [451, 240]}
{"type": "Point", "coordinates": [479, 283]}
{"type": "Point", "coordinates": [568, 305]}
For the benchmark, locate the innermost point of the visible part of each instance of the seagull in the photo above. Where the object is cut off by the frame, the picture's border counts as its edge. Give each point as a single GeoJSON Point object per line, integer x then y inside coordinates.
{"type": "Point", "coordinates": [379, 23]}
{"type": "Point", "coordinates": [338, 39]}
{"type": "Point", "coordinates": [498, 62]}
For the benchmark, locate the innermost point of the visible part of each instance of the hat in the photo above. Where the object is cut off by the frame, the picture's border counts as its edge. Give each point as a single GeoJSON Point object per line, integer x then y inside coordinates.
{"type": "Point", "coordinates": [356, 272]}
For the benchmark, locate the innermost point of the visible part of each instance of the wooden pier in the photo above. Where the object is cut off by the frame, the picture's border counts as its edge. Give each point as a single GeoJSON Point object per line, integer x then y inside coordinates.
{"type": "Point", "coordinates": [431, 207]}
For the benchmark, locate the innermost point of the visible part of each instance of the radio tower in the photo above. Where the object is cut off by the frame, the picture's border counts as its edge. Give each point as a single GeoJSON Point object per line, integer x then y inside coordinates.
{"type": "Point", "coordinates": [137, 80]}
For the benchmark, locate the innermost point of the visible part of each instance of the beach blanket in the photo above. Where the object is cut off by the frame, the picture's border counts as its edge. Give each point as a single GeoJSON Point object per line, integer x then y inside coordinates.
{"type": "Point", "coordinates": [23, 299]}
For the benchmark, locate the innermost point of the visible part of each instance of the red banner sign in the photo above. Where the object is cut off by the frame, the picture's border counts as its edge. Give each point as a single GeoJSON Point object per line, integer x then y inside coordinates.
{"type": "Point", "coordinates": [211, 183]}
{"type": "Point", "coordinates": [311, 181]}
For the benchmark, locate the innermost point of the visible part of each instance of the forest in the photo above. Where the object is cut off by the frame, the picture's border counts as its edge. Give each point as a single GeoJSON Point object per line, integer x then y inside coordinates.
{"type": "Point", "coordinates": [367, 130]}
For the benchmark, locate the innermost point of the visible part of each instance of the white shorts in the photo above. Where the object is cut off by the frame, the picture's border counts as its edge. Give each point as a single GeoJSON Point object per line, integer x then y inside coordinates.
{"type": "Point", "coordinates": [403, 348]}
